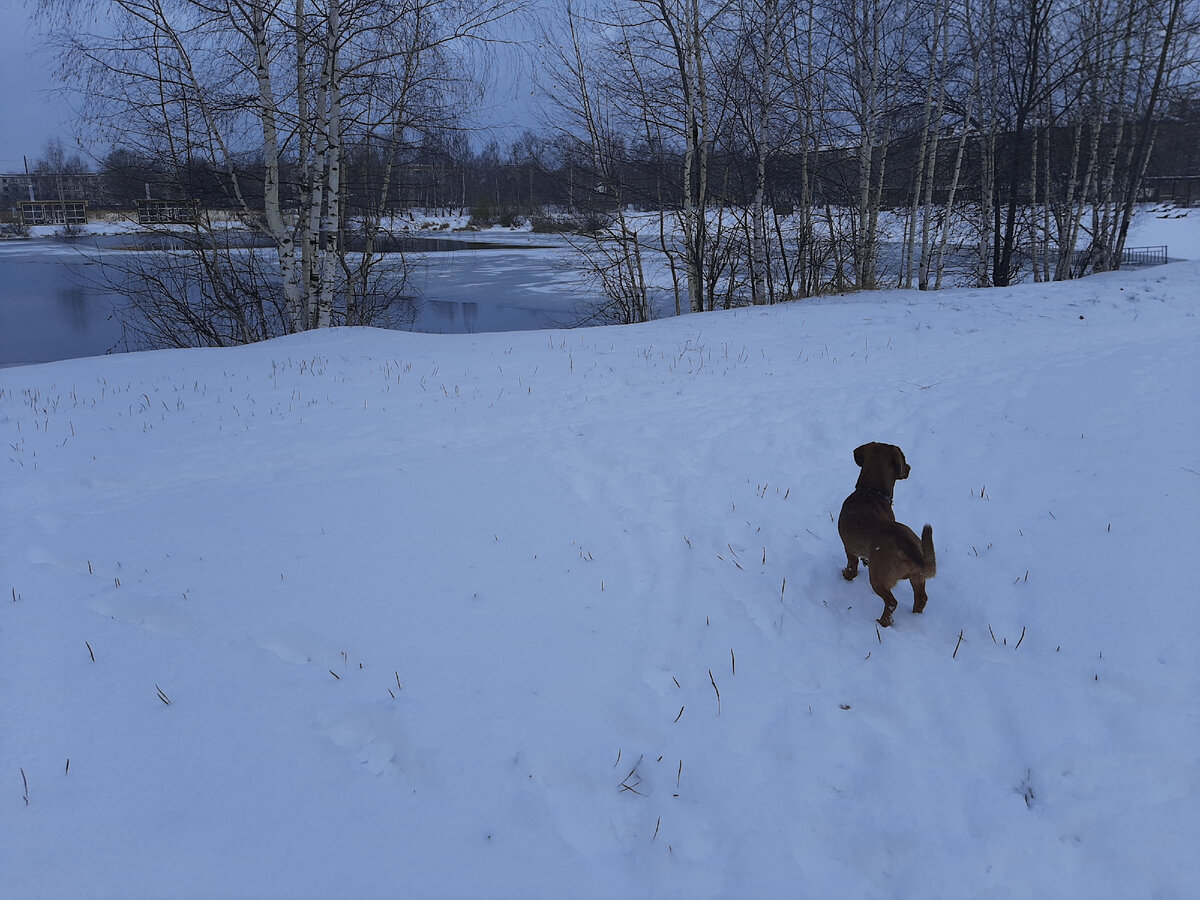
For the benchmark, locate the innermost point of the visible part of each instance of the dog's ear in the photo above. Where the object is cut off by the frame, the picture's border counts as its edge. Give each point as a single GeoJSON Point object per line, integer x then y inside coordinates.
{"type": "Point", "coordinates": [858, 454]}
{"type": "Point", "coordinates": [902, 467]}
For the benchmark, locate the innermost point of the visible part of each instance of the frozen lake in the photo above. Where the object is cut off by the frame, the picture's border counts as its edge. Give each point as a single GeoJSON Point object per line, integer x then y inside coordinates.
{"type": "Point", "coordinates": [51, 306]}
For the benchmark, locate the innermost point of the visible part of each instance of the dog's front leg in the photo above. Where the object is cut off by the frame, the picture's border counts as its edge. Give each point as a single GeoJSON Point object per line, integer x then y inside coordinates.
{"type": "Point", "coordinates": [851, 569]}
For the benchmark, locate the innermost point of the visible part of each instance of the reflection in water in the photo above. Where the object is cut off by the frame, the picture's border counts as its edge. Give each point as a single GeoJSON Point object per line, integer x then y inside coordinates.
{"type": "Point", "coordinates": [400, 243]}
{"type": "Point", "coordinates": [74, 304]}
{"type": "Point", "coordinates": [48, 308]}
{"type": "Point", "coordinates": [453, 316]}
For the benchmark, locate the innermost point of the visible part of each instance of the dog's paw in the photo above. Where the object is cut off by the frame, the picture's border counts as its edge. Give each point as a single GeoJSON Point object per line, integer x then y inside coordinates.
{"type": "Point", "coordinates": [849, 574]}
{"type": "Point", "coordinates": [885, 620]}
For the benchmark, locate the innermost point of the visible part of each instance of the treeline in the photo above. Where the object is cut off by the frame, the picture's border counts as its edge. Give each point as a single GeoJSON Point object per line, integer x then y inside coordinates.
{"type": "Point", "coordinates": [538, 175]}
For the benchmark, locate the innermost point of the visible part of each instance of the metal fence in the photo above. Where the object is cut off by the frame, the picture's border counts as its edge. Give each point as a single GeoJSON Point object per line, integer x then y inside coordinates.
{"type": "Point", "coordinates": [1144, 256]}
{"type": "Point", "coordinates": [1131, 257]}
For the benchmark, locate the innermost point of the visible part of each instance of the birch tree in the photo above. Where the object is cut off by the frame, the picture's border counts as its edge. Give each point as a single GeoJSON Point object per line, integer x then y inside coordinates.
{"type": "Point", "coordinates": [806, 70]}
{"type": "Point", "coordinates": [872, 36]}
{"type": "Point", "coordinates": [936, 89]}
{"type": "Point", "coordinates": [1169, 42]}
{"type": "Point", "coordinates": [675, 33]}
{"type": "Point", "coordinates": [751, 77]}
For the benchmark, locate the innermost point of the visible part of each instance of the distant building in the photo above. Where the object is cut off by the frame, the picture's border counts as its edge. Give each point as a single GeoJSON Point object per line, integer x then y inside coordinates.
{"type": "Point", "coordinates": [13, 189]}
{"type": "Point", "coordinates": [16, 188]}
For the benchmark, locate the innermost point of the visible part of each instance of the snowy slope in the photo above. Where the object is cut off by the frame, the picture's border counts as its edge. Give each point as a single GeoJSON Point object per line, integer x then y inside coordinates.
{"type": "Point", "coordinates": [560, 613]}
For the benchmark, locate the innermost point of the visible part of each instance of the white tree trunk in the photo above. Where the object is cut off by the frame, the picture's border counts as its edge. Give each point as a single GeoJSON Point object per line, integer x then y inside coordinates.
{"type": "Point", "coordinates": [331, 226]}
{"type": "Point", "coordinates": [959, 155]}
{"type": "Point", "coordinates": [764, 52]}
{"type": "Point", "coordinates": [281, 234]}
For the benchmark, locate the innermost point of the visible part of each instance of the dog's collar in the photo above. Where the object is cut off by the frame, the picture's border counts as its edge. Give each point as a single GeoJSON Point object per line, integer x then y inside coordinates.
{"type": "Point", "coordinates": [877, 492]}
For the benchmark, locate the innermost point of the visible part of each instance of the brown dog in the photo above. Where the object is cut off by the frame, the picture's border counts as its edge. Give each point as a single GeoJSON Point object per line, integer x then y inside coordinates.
{"type": "Point", "coordinates": [890, 549]}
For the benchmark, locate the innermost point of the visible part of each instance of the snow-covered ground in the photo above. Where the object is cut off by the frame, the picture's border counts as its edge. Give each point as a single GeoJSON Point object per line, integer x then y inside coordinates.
{"type": "Point", "coordinates": [112, 223]}
{"type": "Point", "coordinates": [373, 614]}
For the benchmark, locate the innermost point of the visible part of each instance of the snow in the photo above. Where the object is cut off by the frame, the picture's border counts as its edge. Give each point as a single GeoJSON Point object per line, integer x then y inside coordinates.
{"type": "Point", "coordinates": [447, 616]}
{"type": "Point", "coordinates": [117, 223]}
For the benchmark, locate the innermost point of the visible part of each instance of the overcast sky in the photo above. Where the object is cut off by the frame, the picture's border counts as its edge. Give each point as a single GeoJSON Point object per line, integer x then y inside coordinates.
{"type": "Point", "coordinates": [32, 111]}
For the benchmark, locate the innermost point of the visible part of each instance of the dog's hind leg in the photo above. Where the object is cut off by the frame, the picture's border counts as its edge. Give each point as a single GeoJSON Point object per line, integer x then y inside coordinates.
{"type": "Point", "coordinates": [920, 598]}
{"type": "Point", "coordinates": [851, 570]}
{"type": "Point", "coordinates": [889, 607]}
{"type": "Point", "coordinates": [884, 590]}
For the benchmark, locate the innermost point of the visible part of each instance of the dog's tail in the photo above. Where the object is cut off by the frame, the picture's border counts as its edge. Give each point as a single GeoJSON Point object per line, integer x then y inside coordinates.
{"type": "Point", "coordinates": [929, 569]}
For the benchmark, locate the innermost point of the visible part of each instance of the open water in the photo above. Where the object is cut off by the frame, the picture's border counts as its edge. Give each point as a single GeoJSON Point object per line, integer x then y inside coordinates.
{"type": "Point", "coordinates": [53, 304]}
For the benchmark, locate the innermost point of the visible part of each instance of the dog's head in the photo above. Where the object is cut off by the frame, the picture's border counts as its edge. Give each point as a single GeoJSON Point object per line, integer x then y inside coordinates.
{"type": "Point", "coordinates": [886, 460]}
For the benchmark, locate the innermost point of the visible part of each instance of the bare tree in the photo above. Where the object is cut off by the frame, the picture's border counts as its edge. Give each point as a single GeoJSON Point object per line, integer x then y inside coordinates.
{"type": "Point", "coordinates": [872, 38]}
{"type": "Point", "coordinates": [749, 73]}
{"type": "Point", "coordinates": [610, 246]}
{"type": "Point", "coordinates": [673, 37]}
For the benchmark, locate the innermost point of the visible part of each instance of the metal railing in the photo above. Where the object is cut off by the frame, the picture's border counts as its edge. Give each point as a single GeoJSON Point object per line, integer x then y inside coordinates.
{"type": "Point", "coordinates": [1131, 257]}
{"type": "Point", "coordinates": [1144, 256]}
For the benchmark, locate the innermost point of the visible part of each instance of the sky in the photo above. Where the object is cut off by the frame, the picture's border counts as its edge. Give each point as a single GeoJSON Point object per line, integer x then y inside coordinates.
{"type": "Point", "coordinates": [31, 111]}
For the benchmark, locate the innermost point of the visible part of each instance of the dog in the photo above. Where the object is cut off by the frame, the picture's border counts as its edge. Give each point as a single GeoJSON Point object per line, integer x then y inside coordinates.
{"type": "Point", "coordinates": [870, 532]}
